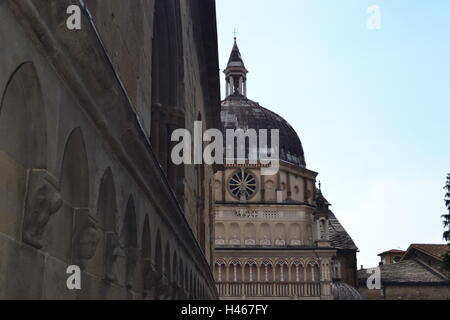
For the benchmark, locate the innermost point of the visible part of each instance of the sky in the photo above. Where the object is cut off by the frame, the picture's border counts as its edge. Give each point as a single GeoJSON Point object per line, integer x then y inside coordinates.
{"type": "Point", "coordinates": [371, 107]}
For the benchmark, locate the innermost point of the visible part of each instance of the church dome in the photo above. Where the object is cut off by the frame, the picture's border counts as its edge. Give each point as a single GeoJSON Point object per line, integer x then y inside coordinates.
{"type": "Point", "coordinates": [343, 291]}
{"type": "Point", "coordinates": [238, 112]}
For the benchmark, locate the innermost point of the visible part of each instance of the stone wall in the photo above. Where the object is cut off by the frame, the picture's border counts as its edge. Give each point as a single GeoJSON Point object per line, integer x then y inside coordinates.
{"type": "Point", "coordinates": [295, 183]}
{"type": "Point", "coordinates": [80, 180]}
{"type": "Point", "coordinates": [408, 292]}
{"type": "Point", "coordinates": [347, 260]}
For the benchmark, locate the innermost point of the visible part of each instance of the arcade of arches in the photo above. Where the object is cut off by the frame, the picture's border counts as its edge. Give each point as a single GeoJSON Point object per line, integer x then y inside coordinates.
{"type": "Point", "coordinates": [85, 176]}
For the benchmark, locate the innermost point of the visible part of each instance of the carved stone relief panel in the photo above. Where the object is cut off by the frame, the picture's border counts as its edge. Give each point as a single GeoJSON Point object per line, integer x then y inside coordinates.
{"type": "Point", "coordinates": [43, 201]}
{"type": "Point", "coordinates": [85, 237]}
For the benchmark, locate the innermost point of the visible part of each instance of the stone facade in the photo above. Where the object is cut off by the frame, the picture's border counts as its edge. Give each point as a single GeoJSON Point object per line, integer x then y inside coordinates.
{"type": "Point", "coordinates": [275, 236]}
{"type": "Point", "coordinates": [85, 122]}
{"type": "Point", "coordinates": [275, 249]}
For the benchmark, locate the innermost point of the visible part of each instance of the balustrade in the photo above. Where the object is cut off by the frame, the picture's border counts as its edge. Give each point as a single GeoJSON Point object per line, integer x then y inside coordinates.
{"type": "Point", "coordinates": [268, 289]}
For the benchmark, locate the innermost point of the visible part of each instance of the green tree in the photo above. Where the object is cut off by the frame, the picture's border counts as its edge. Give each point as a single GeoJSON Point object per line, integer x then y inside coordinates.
{"type": "Point", "coordinates": [446, 218]}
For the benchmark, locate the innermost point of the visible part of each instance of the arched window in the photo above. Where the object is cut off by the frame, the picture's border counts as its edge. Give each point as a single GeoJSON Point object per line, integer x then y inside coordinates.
{"type": "Point", "coordinates": [23, 119]}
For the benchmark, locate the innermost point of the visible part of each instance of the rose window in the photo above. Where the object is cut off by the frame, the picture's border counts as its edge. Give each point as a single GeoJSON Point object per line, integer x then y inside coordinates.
{"type": "Point", "coordinates": [242, 185]}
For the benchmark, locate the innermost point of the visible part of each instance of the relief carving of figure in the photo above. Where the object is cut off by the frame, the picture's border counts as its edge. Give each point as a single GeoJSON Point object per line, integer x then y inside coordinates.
{"type": "Point", "coordinates": [43, 201]}
{"type": "Point", "coordinates": [86, 238]}
{"type": "Point", "coordinates": [114, 252]}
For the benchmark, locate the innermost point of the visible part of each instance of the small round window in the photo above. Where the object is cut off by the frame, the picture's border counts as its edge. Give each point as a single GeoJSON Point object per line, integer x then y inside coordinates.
{"type": "Point", "coordinates": [242, 185]}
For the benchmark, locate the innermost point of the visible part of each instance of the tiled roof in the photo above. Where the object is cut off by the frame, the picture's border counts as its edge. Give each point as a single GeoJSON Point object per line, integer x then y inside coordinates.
{"type": "Point", "coordinates": [235, 57]}
{"type": "Point", "coordinates": [405, 272]}
{"type": "Point", "coordinates": [436, 250]}
{"type": "Point", "coordinates": [339, 237]}
{"type": "Point", "coordinates": [342, 291]}
{"type": "Point", "coordinates": [392, 251]}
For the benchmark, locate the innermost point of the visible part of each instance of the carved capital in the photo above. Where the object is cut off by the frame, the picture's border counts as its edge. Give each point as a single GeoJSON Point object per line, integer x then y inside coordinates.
{"type": "Point", "coordinates": [43, 201]}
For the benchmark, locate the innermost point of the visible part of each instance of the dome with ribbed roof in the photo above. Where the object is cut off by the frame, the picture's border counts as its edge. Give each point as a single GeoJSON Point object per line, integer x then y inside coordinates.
{"type": "Point", "coordinates": [239, 112]}
{"type": "Point", "coordinates": [342, 291]}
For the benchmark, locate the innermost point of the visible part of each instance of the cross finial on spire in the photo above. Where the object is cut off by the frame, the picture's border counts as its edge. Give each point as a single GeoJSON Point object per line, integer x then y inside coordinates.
{"type": "Point", "coordinates": [235, 33]}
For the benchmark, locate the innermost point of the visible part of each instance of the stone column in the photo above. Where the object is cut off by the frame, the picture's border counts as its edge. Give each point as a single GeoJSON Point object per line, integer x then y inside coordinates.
{"type": "Point", "coordinates": [258, 271]}
{"type": "Point", "coordinates": [290, 273]}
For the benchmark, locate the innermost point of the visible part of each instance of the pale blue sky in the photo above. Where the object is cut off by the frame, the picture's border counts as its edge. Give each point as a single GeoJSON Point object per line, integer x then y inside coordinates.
{"type": "Point", "coordinates": [371, 106]}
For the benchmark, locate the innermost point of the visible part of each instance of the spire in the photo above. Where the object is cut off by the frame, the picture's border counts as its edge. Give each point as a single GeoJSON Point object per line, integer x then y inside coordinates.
{"type": "Point", "coordinates": [235, 57]}
{"type": "Point", "coordinates": [321, 202]}
{"type": "Point", "coordinates": [236, 73]}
